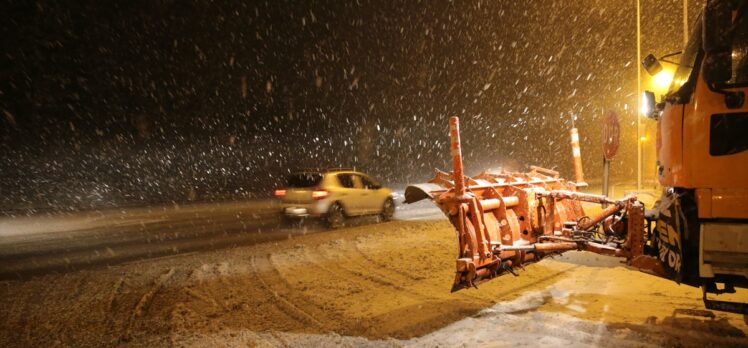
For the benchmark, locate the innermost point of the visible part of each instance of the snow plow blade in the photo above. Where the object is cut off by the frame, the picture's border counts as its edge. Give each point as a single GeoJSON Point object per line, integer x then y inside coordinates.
{"type": "Point", "coordinates": [415, 193]}
{"type": "Point", "coordinates": [504, 220]}
{"type": "Point", "coordinates": [499, 220]}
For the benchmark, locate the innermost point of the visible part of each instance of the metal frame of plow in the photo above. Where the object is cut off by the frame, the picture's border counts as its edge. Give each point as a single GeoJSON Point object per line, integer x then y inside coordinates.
{"type": "Point", "coordinates": [504, 220]}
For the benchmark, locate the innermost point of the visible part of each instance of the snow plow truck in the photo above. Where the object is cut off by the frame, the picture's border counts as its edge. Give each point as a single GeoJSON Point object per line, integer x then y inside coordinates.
{"type": "Point", "coordinates": [697, 232]}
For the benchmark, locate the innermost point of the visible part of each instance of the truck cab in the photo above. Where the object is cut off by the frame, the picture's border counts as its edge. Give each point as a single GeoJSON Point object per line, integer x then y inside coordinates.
{"type": "Point", "coordinates": [701, 234]}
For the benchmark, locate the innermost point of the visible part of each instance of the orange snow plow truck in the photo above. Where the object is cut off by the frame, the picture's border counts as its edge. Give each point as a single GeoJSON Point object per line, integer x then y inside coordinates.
{"type": "Point", "coordinates": [697, 233]}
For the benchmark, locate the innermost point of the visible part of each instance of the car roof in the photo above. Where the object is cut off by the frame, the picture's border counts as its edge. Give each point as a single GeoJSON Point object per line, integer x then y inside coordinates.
{"type": "Point", "coordinates": [329, 171]}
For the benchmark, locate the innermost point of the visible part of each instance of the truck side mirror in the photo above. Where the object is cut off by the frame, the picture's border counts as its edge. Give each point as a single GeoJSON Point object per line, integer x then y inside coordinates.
{"type": "Point", "coordinates": [716, 42]}
{"type": "Point", "coordinates": [649, 109]}
{"type": "Point", "coordinates": [651, 64]}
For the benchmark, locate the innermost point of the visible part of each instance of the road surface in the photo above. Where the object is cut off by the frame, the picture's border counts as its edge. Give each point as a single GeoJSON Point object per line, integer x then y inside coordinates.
{"type": "Point", "coordinates": [228, 275]}
{"type": "Point", "coordinates": [32, 246]}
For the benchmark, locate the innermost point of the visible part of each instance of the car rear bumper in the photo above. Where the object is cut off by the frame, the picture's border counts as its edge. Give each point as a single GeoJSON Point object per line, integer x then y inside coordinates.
{"type": "Point", "coordinates": [301, 210]}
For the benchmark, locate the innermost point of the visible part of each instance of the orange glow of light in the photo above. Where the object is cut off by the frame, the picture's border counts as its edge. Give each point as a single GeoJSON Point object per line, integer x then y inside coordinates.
{"type": "Point", "coordinates": [662, 80]}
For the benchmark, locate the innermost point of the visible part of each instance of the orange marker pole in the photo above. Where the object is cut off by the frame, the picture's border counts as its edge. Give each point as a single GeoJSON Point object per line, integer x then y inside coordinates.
{"type": "Point", "coordinates": [577, 156]}
{"type": "Point", "coordinates": [459, 177]}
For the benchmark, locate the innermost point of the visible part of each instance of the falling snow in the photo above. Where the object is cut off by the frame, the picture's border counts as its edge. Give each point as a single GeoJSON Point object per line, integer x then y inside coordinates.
{"type": "Point", "coordinates": [159, 102]}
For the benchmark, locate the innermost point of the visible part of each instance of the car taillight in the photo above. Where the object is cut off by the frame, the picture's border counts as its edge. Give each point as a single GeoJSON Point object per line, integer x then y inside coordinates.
{"type": "Point", "coordinates": [319, 194]}
{"type": "Point", "coordinates": [279, 193]}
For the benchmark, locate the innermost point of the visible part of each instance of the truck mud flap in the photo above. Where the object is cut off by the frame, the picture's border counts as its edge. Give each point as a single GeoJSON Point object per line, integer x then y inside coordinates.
{"type": "Point", "coordinates": [726, 306]}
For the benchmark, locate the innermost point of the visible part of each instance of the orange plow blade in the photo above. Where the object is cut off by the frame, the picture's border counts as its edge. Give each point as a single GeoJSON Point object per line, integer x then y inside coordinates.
{"type": "Point", "coordinates": [500, 219]}
{"type": "Point", "coordinates": [504, 220]}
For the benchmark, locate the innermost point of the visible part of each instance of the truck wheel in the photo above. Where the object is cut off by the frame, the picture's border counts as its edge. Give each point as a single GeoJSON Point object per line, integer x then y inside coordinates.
{"type": "Point", "coordinates": [388, 210]}
{"type": "Point", "coordinates": [335, 216]}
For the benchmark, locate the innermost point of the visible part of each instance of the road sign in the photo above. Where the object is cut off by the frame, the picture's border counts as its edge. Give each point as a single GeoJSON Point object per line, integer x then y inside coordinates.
{"type": "Point", "coordinates": [611, 135]}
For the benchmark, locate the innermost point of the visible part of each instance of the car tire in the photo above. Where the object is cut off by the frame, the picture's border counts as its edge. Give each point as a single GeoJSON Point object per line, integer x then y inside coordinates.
{"type": "Point", "coordinates": [335, 216]}
{"type": "Point", "coordinates": [388, 210]}
{"type": "Point", "coordinates": [287, 221]}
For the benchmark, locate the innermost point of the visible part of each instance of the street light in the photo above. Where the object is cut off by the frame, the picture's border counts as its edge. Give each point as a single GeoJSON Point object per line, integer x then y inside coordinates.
{"type": "Point", "coordinates": [662, 80]}
{"type": "Point", "coordinates": [638, 96]}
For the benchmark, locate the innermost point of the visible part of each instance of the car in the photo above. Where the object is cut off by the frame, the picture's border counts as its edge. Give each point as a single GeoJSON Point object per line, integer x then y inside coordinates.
{"type": "Point", "coordinates": [334, 195]}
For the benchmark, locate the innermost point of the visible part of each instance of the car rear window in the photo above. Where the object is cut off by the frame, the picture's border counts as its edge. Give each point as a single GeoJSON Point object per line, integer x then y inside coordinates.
{"type": "Point", "coordinates": [304, 179]}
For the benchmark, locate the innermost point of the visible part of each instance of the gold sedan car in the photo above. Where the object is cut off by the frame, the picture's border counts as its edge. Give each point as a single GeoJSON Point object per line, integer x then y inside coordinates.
{"type": "Point", "coordinates": [334, 195]}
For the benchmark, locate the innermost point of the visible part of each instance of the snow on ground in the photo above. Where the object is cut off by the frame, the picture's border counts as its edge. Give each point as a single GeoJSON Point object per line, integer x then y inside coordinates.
{"type": "Point", "coordinates": [368, 284]}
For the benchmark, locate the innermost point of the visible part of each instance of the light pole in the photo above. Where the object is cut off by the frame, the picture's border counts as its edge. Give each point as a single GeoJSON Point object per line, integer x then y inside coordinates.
{"type": "Point", "coordinates": [642, 140]}
{"type": "Point", "coordinates": [638, 97]}
{"type": "Point", "coordinates": [685, 23]}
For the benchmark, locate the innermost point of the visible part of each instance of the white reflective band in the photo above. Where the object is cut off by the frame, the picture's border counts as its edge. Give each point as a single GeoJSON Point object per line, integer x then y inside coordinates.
{"type": "Point", "coordinates": [575, 137]}
{"type": "Point", "coordinates": [576, 152]}
{"type": "Point", "coordinates": [455, 151]}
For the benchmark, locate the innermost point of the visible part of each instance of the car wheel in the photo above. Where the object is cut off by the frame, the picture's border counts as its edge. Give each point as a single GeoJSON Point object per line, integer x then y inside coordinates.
{"type": "Point", "coordinates": [388, 210]}
{"type": "Point", "coordinates": [335, 216]}
{"type": "Point", "coordinates": [287, 221]}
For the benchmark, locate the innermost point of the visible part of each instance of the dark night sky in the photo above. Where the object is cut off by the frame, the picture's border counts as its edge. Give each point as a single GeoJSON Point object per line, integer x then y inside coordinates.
{"type": "Point", "coordinates": [107, 103]}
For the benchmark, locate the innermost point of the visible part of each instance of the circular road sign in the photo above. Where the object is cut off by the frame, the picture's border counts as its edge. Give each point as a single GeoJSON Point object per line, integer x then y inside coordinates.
{"type": "Point", "coordinates": [611, 135]}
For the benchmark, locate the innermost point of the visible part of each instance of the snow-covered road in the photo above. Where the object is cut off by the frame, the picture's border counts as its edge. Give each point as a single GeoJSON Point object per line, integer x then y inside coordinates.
{"type": "Point", "coordinates": [228, 275]}
{"type": "Point", "coordinates": [65, 242]}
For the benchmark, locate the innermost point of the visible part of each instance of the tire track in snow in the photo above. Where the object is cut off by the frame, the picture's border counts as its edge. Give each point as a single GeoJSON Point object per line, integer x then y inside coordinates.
{"type": "Point", "coordinates": [288, 307]}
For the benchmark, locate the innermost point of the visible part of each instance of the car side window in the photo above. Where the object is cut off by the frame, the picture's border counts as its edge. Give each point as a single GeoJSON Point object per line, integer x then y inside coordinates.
{"type": "Point", "coordinates": [346, 180]}
{"type": "Point", "coordinates": [369, 183]}
{"type": "Point", "coordinates": [357, 182]}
